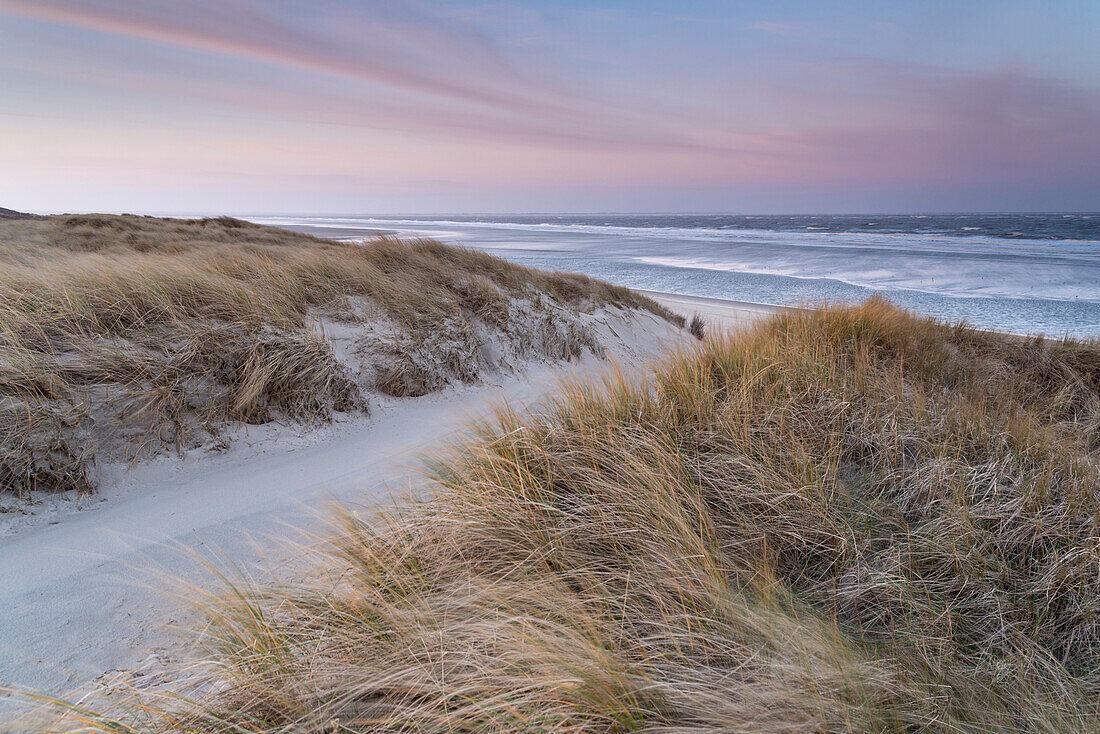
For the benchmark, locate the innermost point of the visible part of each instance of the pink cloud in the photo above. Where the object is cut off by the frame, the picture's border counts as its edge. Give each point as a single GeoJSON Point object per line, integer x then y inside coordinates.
{"type": "Point", "coordinates": [245, 29]}
{"type": "Point", "coordinates": [418, 97]}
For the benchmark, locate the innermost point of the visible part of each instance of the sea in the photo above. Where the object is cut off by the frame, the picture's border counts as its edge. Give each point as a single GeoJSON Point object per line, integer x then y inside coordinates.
{"type": "Point", "coordinates": [1022, 273]}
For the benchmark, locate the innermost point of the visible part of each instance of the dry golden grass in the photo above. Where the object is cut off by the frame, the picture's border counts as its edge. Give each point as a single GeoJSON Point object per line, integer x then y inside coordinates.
{"type": "Point", "coordinates": [842, 520]}
{"type": "Point", "coordinates": [159, 330]}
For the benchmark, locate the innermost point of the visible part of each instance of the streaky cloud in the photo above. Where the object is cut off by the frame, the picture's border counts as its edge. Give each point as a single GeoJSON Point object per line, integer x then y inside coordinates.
{"type": "Point", "coordinates": [246, 29]}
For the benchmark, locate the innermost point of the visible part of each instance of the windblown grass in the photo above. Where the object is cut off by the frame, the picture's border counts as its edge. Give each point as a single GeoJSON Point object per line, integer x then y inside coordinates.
{"type": "Point", "coordinates": [697, 327]}
{"type": "Point", "coordinates": [142, 332]}
{"type": "Point", "coordinates": [842, 520]}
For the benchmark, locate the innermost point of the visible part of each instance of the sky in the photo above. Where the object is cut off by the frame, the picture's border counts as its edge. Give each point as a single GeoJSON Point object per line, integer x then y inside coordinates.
{"type": "Point", "coordinates": [411, 106]}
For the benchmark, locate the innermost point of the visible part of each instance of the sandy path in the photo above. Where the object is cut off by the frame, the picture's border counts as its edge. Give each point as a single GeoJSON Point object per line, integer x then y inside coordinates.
{"type": "Point", "coordinates": [83, 596]}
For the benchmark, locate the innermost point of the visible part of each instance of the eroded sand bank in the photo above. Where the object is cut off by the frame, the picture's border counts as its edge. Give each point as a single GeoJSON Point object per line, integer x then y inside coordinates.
{"type": "Point", "coordinates": [83, 588]}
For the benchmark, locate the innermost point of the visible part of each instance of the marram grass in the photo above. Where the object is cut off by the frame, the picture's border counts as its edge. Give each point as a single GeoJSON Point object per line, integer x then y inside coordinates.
{"type": "Point", "coordinates": [153, 332]}
{"type": "Point", "coordinates": [842, 520]}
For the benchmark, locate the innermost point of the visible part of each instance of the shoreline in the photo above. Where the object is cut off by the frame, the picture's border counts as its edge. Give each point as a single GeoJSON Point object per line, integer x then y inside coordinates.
{"type": "Point", "coordinates": [730, 314]}
{"type": "Point", "coordinates": [724, 313]}
{"type": "Point", "coordinates": [1003, 313]}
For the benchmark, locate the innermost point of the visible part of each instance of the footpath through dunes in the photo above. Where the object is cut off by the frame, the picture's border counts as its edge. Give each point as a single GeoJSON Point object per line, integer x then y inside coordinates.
{"type": "Point", "coordinates": [179, 387]}
{"type": "Point", "coordinates": [840, 520]}
{"type": "Point", "coordinates": [122, 337]}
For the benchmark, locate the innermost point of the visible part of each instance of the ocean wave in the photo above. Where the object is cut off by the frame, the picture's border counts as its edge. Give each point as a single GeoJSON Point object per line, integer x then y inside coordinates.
{"type": "Point", "coordinates": [973, 245]}
{"type": "Point", "coordinates": [1023, 284]}
{"type": "Point", "coordinates": [882, 280]}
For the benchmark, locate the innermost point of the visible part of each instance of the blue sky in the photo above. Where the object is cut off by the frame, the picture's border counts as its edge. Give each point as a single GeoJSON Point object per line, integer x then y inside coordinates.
{"type": "Point", "coordinates": [339, 106]}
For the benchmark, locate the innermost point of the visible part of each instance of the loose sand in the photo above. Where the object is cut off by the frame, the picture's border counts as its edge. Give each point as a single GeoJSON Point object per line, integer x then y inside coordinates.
{"type": "Point", "coordinates": [716, 312]}
{"type": "Point", "coordinates": [82, 586]}
{"type": "Point", "coordinates": [83, 583]}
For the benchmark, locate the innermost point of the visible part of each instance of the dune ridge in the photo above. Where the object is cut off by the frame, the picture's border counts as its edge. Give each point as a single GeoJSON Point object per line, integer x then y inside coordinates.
{"type": "Point", "coordinates": [123, 336]}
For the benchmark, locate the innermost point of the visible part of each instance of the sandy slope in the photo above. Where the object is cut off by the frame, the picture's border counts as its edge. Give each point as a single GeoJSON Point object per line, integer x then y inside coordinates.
{"type": "Point", "coordinates": [82, 584]}
{"type": "Point", "coordinates": [718, 313]}
{"type": "Point", "coordinates": [85, 595]}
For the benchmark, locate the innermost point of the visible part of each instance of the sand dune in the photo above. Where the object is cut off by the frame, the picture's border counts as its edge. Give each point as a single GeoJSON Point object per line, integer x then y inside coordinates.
{"type": "Point", "coordinates": [83, 591]}
{"type": "Point", "coordinates": [84, 587]}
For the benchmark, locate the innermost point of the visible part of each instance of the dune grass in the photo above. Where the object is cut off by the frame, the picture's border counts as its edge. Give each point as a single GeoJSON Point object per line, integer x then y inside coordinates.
{"type": "Point", "coordinates": [12, 214]}
{"type": "Point", "coordinates": [841, 520]}
{"type": "Point", "coordinates": [146, 332]}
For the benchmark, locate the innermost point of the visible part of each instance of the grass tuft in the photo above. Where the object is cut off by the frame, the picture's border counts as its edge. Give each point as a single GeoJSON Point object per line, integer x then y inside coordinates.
{"type": "Point", "coordinates": [697, 327]}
